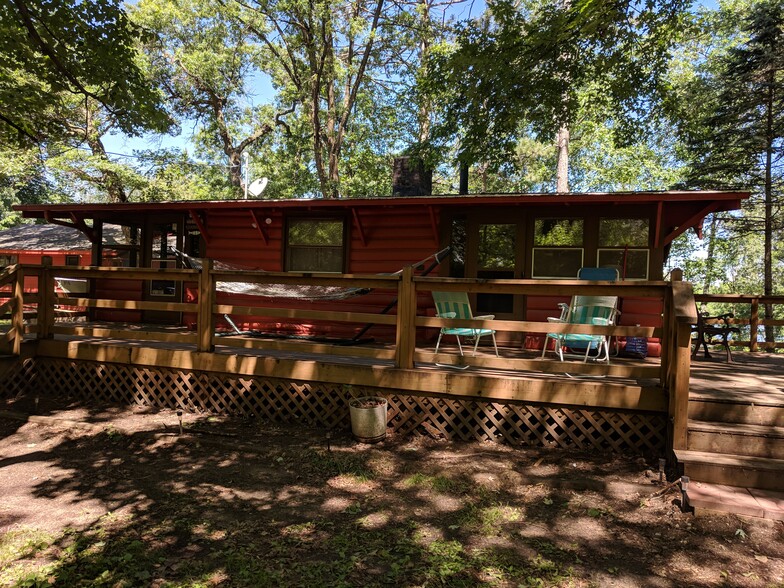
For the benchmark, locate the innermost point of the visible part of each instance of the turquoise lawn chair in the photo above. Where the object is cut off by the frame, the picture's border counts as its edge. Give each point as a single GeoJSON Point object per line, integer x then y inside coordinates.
{"type": "Point", "coordinates": [585, 310]}
{"type": "Point", "coordinates": [456, 305]}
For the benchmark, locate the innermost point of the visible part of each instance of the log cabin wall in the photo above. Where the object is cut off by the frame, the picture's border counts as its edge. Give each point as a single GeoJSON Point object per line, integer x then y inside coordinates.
{"type": "Point", "coordinates": [378, 240]}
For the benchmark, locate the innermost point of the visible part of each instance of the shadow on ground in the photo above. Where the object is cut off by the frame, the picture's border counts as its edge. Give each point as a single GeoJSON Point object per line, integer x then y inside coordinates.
{"type": "Point", "coordinates": [130, 502]}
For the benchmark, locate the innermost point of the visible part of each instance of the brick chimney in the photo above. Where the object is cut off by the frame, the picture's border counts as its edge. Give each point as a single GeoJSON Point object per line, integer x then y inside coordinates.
{"type": "Point", "coordinates": [410, 178]}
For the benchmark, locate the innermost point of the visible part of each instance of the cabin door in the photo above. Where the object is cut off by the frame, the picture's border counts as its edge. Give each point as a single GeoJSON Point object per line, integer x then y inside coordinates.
{"type": "Point", "coordinates": [494, 249]}
{"type": "Point", "coordinates": [162, 238]}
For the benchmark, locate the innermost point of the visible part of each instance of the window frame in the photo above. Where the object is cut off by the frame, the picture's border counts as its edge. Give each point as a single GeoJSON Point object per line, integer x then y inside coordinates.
{"type": "Point", "coordinates": [620, 270]}
{"type": "Point", "coordinates": [601, 247]}
{"type": "Point", "coordinates": [287, 248]}
{"type": "Point", "coordinates": [536, 248]}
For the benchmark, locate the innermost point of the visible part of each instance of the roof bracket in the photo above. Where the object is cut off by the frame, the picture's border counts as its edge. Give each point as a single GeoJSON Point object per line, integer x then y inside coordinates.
{"type": "Point", "coordinates": [200, 224]}
{"type": "Point", "coordinates": [358, 224]}
{"type": "Point", "coordinates": [694, 220]}
{"type": "Point", "coordinates": [76, 223]}
{"type": "Point", "coordinates": [258, 226]}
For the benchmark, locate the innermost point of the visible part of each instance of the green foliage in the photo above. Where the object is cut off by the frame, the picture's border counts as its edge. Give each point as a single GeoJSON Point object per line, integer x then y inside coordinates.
{"type": "Point", "coordinates": [62, 48]}
{"type": "Point", "coordinates": [521, 68]}
{"type": "Point", "coordinates": [732, 113]}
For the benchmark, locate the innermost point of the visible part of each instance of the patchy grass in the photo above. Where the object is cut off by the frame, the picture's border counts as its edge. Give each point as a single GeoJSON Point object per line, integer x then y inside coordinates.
{"type": "Point", "coordinates": [173, 512]}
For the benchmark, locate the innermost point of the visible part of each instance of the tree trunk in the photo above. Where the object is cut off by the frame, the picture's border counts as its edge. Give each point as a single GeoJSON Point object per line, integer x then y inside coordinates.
{"type": "Point", "coordinates": [110, 180]}
{"type": "Point", "coordinates": [235, 167]}
{"type": "Point", "coordinates": [562, 167]}
{"type": "Point", "coordinates": [768, 253]}
{"type": "Point", "coordinates": [709, 262]}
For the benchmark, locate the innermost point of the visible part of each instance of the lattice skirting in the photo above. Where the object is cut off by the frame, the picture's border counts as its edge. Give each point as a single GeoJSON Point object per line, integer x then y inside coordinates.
{"type": "Point", "coordinates": [326, 405]}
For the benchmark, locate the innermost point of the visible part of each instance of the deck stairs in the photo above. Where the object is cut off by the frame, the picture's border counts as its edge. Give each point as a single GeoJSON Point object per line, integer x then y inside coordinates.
{"type": "Point", "coordinates": [735, 455]}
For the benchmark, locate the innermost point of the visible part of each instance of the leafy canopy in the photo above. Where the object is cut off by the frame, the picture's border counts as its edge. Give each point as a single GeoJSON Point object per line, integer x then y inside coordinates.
{"type": "Point", "coordinates": [54, 49]}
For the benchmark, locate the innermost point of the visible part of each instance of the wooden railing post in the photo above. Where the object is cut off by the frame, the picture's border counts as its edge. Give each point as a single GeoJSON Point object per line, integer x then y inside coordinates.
{"type": "Point", "coordinates": [17, 320]}
{"type": "Point", "coordinates": [684, 314]}
{"type": "Point", "coordinates": [754, 325]}
{"type": "Point", "coordinates": [405, 339]}
{"type": "Point", "coordinates": [45, 299]}
{"type": "Point", "coordinates": [206, 319]}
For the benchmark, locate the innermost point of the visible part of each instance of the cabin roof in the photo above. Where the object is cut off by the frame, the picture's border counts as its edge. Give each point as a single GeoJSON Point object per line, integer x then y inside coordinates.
{"type": "Point", "coordinates": [675, 212]}
{"type": "Point", "coordinates": [731, 198]}
{"type": "Point", "coordinates": [50, 238]}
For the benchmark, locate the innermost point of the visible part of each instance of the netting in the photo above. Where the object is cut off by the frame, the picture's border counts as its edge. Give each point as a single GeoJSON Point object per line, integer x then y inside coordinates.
{"type": "Point", "coordinates": [299, 292]}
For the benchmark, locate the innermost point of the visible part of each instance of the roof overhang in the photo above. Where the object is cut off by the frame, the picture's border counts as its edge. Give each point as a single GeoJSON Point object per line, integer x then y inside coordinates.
{"type": "Point", "coordinates": [676, 211]}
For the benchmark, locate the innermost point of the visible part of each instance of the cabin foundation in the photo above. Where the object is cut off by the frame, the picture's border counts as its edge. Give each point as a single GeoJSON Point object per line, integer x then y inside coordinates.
{"type": "Point", "coordinates": [324, 404]}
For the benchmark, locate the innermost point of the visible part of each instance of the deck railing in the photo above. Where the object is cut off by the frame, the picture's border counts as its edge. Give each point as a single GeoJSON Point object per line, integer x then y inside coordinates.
{"type": "Point", "coordinates": [679, 313]}
{"type": "Point", "coordinates": [406, 322]}
{"type": "Point", "coordinates": [739, 303]}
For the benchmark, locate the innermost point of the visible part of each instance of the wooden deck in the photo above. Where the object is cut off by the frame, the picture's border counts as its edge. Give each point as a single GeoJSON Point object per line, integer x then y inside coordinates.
{"type": "Point", "coordinates": [723, 422]}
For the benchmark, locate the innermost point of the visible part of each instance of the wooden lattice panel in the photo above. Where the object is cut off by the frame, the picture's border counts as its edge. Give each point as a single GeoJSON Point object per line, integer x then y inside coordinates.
{"type": "Point", "coordinates": [326, 405]}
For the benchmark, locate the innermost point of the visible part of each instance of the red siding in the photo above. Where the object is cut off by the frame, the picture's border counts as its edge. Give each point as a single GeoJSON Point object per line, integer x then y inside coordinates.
{"type": "Point", "coordinates": [393, 238]}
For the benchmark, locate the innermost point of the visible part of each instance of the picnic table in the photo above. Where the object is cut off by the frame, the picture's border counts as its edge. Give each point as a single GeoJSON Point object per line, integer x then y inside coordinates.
{"type": "Point", "coordinates": [713, 330]}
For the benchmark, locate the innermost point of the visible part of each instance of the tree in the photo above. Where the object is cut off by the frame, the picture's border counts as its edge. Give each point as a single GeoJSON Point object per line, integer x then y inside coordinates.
{"type": "Point", "coordinates": [204, 59]}
{"type": "Point", "coordinates": [55, 50]}
{"type": "Point", "coordinates": [323, 51]}
{"type": "Point", "coordinates": [737, 139]}
{"type": "Point", "coordinates": [522, 68]}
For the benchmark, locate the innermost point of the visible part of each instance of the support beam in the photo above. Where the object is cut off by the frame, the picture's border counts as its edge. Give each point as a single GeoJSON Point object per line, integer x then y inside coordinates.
{"type": "Point", "coordinates": [259, 227]}
{"type": "Point", "coordinates": [694, 220]}
{"type": "Point", "coordinates": [76, 223]}
{"type": "Point", "coordinates": [358, 225]}
{"type": "Point", "coordinates": [200, 225]}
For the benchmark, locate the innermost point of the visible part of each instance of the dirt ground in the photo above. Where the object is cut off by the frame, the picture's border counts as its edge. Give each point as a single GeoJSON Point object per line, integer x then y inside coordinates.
{"type": "Point", "coordinates": [129, 501]}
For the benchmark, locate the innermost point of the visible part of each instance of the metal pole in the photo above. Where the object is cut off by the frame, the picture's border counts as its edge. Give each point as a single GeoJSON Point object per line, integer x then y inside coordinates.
{"type": "Point", "coordinates": [246, 163]}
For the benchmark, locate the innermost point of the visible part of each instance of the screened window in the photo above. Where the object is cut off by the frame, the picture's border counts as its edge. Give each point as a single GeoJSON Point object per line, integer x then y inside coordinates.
{"type": "Point", "coordinates": [623, 244]}
{"type": "Point", "coordinates": [623, 232]}
{"type": "Point", "coordinates": [632, 264]}
{"type": "Point", "coordinates": [558, 247]}
{"type": "Point", "coordinates": [496, 260]}
{"type": "Point", "coordinates": [71, 260]}
{"type": "Point", "coordinates": [6, 260]}
{"type": "Point", "coordinates": [315, 245]}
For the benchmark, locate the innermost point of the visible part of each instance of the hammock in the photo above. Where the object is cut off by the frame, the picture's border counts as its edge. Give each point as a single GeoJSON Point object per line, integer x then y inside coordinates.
{"type": "Point", "coordinates": [298, 292]}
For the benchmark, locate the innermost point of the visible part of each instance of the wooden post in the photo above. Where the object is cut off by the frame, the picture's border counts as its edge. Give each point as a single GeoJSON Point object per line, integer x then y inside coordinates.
{"type": "Point", "coordinates": [667, 339]}
{"type": "Point", "coordinates": [17, 320]}
{"type": "Point", "coordinates": [684, 313]}
{"type": "Point", "coordinates": [45, 299]}
{"type": "Point", "coordinates": [206, 319]}
{"type": "Point", "coordinates": [754, 325]}
{"type": "Point", "coordinates": [405, 339]}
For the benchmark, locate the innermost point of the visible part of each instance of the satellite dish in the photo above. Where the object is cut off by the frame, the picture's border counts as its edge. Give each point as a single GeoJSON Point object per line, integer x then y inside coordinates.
{"type": "Point", "coordinates": [257, 187]}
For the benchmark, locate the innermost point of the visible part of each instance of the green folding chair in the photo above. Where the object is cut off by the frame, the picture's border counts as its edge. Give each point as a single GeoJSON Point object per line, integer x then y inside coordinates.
{"type": "Point", "coordinates": [585, 310]}
{"type": "Point", "coordinates": [456, 305]}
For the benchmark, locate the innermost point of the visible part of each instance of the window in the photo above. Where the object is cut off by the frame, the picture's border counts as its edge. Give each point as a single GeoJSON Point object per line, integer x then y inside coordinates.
{"type": "Point", "coordinates": [558, 247]}
{"type": "Point", "coordinates": [6, 260]}
{"type": "Point", "coordinates": [496, 260]}
{"type": "Point", "coordinates": [71, 260]}
{"type": "Point", "coordinates": [315, 245]}
{"type": "Point", "coordinates": [623, 244]}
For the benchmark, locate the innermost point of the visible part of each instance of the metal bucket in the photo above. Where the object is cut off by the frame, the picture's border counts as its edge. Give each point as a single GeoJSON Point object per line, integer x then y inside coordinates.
{"type": "Point", "coordinates": [368, 418]}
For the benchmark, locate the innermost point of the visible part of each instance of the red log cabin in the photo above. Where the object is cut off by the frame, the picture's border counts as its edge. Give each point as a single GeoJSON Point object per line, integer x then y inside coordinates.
{"type": "Point", "coordinates": [530, 236]}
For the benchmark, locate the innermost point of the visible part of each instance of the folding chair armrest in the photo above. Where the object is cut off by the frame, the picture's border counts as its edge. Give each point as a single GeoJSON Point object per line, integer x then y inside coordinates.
{"type": "Point", "coordinates": [485, 317]}
{"type": "Point", "coordinates": [555, 319]}
{"type": "Point", "coordinates": [446, 315]}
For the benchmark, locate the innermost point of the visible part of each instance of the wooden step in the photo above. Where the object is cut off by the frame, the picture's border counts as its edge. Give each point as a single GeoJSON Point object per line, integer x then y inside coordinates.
{"type": "Point", "coordinates": [760, 412]}
{"type": "Point", "coordinates": [737, 438]}
{"type": "Point", "coordinates": [765, 504]}
{"type": "Point", "coordinates": [732, 470]}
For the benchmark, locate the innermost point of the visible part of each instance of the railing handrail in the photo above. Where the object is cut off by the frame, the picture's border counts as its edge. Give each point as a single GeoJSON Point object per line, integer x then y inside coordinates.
{"type": "Point", "coordinates": [740, 298]}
